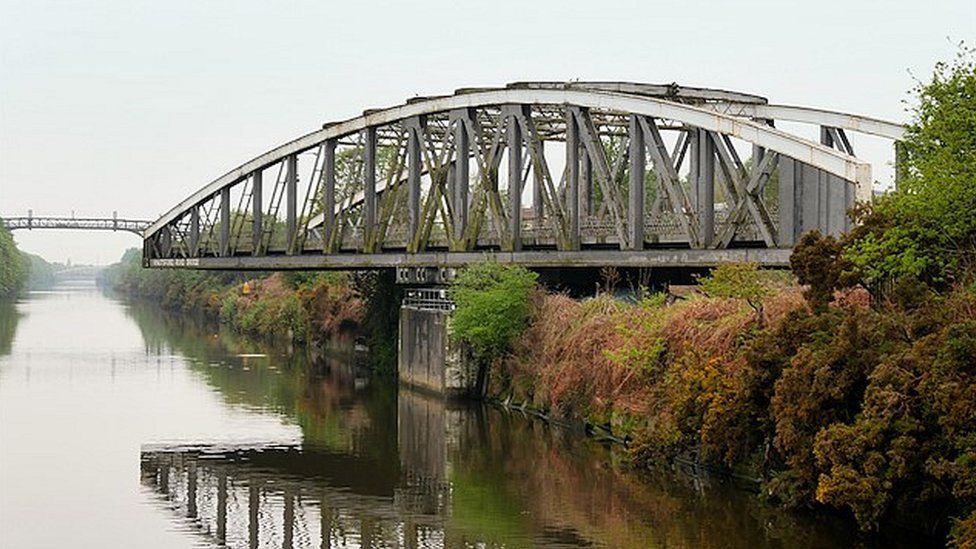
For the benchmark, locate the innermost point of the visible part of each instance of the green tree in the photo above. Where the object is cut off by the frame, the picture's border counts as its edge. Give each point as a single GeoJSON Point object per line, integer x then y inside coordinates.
{"type": "Point", "coordinates": [817, 265]}
{"type": "Point", "coordinates": [926, 229]}
{"type": "Point", "coordinates": [493, 303]}
{"type": "Point", "coordinates": [13, 265]}
{"type": "Point", "coordinates": [738, 281]}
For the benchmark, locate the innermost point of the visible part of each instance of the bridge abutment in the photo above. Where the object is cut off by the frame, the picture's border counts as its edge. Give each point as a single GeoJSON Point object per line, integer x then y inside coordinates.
{"type": "Point", "coordinates": [428, 357]}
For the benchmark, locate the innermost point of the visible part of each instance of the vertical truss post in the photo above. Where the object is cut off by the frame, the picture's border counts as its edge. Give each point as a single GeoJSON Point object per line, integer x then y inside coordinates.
{"type": "Point", "coordinates": [328, 198]}
{"type": "Point", "coordinates": [788, 200]}
{"type": "Point", "coordinates": [538, 205]}
{"type": "Point", "coordinates": [291, 202]}
{"type": "Point", "coordinates": [167, 241]}
{"type": "Point", "coordinates": [414, 128]}
{"type": "Point", "coordinates": [369, 188]}
{"type": "Point", "coordinates": [257, 212]}
{"type": "Point", "coordinates": [462, 178]}
{"type": "Point", "coordinates": [586, 184]}
{"type": "Point", "coordinates": [573, 197]}
{"type": "Point", "coordinates": [514, 135]}
{"type": "Point", "coordinates": [195, 230]}
{"type": "Point", "coordinates": [638, 164]}
{"type": "Point", "coordinates": [225, 221]}
{"type": "Point", "coordinates": [705, 187]}
{"type": "Point", "coordinates": [694, 142]}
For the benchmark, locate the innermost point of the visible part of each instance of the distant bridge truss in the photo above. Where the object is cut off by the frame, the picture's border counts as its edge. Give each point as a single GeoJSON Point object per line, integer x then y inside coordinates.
{"type": "Point", "coordinates": [538, 173]}
{"type": "Point", "coordinates": [135, 226]}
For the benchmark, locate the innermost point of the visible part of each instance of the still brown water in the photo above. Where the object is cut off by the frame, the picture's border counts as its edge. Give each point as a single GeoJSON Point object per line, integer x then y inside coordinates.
{"type": "Point", "coordinates": [121, 426]}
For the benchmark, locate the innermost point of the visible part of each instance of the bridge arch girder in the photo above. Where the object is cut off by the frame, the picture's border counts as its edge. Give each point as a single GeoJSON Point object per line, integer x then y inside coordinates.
{"type": "Point", "coordinates": [648, 115]}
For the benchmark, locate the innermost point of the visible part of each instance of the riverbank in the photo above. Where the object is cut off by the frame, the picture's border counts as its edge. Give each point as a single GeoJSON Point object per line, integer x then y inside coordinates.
{"type": "Point", "coordinates": [20, 270]}
{"type": "Point", "coordinates": [862, 407]}
{"type": "Point", "coordinates": [295, 307]}
{"type": "Point", "coordinates": [851, 388]}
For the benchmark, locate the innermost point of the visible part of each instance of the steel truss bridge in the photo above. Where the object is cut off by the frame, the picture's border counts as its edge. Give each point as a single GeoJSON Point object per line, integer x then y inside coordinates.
{"type": "Point", "coordinates": [114, 223]}
{"type": "Point", "coordinates": [538, 173]}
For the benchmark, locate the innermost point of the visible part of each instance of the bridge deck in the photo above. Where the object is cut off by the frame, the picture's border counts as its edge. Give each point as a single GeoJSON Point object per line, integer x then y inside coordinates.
{"type": "Point", "coordinates": [770, 257]}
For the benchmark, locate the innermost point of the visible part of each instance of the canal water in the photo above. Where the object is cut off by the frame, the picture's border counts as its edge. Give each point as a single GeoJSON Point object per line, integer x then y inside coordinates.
{"type": "Point", "coordinates": [121, 426]}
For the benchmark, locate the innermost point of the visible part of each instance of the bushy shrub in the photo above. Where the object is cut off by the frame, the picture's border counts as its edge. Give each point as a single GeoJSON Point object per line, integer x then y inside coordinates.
{"type": "Point", "coordinates": [743, 281]}
{"type": "Point", "coordinates": [492, 306]}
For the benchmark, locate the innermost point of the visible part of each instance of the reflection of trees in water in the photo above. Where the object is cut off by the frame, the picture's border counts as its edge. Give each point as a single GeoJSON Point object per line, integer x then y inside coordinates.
{"type": "Point", "coordinates": [575, 494]}
{"type": "Point", "coordinates": [386, 466]}
{"type": "Point", "coordinates": [9, 317]}
{"type": "Point", "coordinates": [327, 393]}
{"type": "Point", "coordinates": [466, 476]}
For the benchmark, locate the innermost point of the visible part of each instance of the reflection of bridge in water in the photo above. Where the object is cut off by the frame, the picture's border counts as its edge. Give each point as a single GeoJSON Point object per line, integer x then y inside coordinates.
{"type": "Point", "coordinates": [382, 468]}
{"type": "Point", "coordinates": [462, 479]}
{"type": "Point", "coordinates": [286, 496]}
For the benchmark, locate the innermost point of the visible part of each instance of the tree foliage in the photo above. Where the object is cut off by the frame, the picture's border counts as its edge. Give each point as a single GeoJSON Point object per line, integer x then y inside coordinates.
{"type": "Point", "coordinates": [816, 262]}
{"type": "Point", "coordinates": [926, 229]}
{"type": "Point", "coordinates": [14, 267]}
{"type": "Point", "coordinates": [743, 281]}
{"type": "Point", "coordinates": [493, 303]}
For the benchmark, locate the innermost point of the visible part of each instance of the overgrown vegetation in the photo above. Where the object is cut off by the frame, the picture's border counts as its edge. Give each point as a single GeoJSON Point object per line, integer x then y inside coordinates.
{"type": "Point", "coordinates": [492, 306]}
{"type": "Point", "coordinates": [20, 270]}
{"type": "Point", "coordinates": [299, 307]}
{"type": "Point", "coordinates": [855, 391]}
{"type": "Point", "coordinates": [14, 267]}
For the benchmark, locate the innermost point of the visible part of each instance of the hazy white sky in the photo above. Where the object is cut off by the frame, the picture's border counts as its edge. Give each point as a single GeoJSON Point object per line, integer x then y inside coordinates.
{"type": "Point", "coordinates": [133, 105]}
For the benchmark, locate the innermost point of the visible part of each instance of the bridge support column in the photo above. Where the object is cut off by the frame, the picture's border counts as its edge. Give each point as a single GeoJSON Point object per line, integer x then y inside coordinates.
{"type": "Point", "coordinates": [428, 359]}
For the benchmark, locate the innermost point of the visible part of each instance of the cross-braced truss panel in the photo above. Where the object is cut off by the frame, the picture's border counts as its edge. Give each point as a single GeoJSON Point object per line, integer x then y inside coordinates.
{"type": "Point", "coordinates": [525, 169]}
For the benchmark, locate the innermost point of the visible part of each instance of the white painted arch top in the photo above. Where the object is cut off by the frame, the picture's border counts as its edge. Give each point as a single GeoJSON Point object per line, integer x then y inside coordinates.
{"type": "Point", "coordinates": [829, 160]}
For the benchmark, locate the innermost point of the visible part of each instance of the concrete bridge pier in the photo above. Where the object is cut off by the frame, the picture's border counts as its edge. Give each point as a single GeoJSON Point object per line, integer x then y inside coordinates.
{"type": "Point", "coordinates": [428, 359]}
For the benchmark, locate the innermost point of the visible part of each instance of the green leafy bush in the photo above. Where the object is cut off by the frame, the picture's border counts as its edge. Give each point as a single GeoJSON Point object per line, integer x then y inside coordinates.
{"type": "Point", "coordinates": [743, 281]}
{"type": "Point", "coordinates": [492, 306]}
{"type": "Point", "coordinates": [926, 229]}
